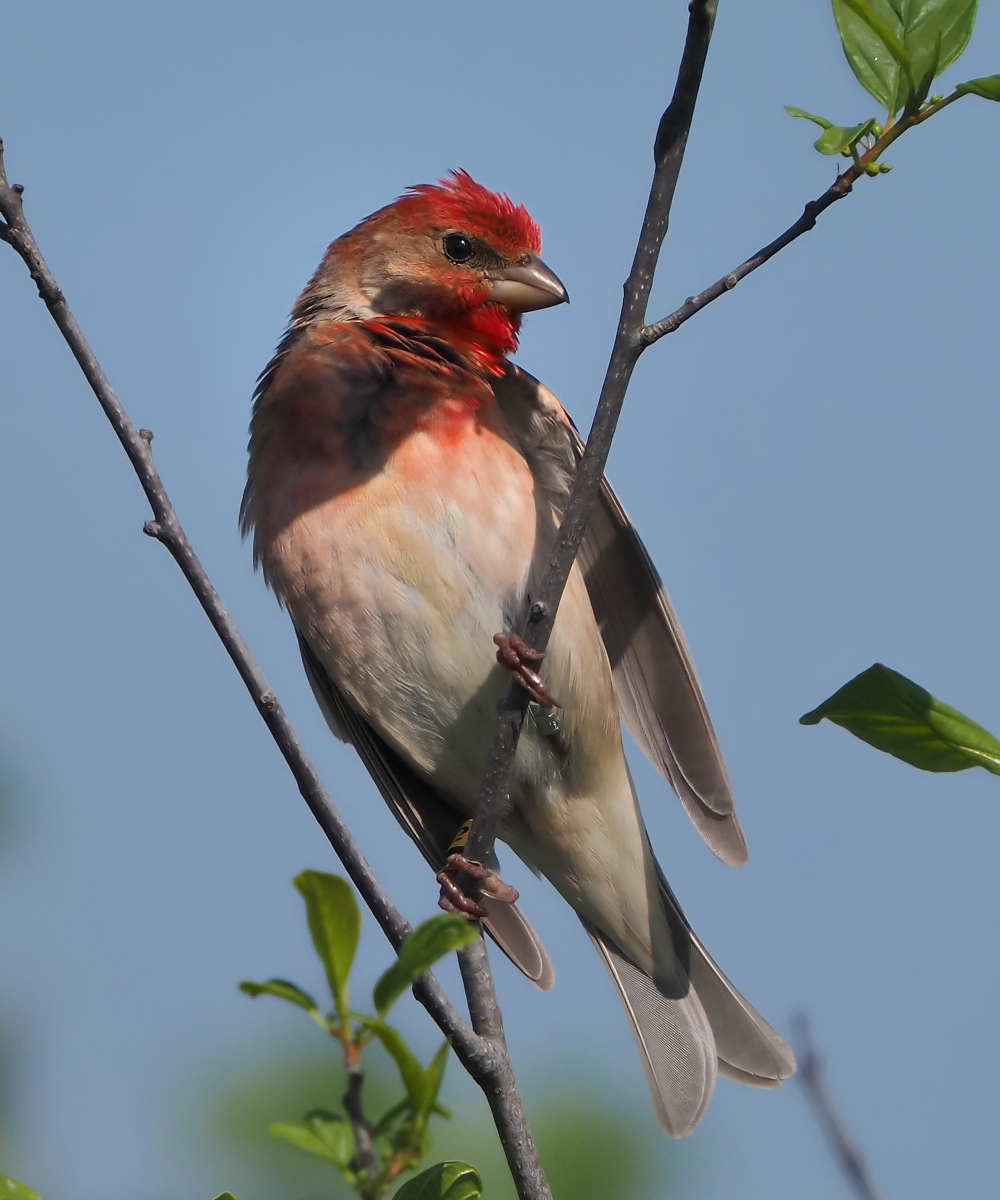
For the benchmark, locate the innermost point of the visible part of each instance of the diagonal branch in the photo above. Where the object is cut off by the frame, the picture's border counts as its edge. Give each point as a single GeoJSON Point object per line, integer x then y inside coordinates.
{"type": "Point", "coordinates": [837, 190]}
{"type": "Point", "coordinates": [812, 1078]}
{"type": "Point", "coordinates": [694, 304]}
{"type": "Point", "coordinates": [484, 1055]}
{"type": "Point", "coordinates": [668, 154]}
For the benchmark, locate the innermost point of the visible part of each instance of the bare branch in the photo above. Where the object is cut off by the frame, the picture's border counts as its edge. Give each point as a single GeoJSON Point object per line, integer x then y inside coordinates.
{"type": "Point", "coordinates": [812, 1078]}
{"type": "Point", "coordinates": [694, 304]}
{"type": "Point", "coordinates": [837, 190]}
{"type": "Point", "coordinates": [485, 1056]}
{"type": "Point", "coordinates": [504, 1102]}
{"type": "Point", "coordinates": [668, 154]}
{"type": "Point", "coordinates": [367, 1159]}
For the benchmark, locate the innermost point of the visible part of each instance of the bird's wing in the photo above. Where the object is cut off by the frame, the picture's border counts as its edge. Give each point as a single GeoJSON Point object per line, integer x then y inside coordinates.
{"type": "Point", "coordinates": [658, 691]}
{"type": "Point", "coordinates": [426, 817]}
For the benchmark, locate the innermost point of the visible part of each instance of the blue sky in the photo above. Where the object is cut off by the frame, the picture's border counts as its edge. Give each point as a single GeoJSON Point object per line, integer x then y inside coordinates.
{"type": "Point", "coordinates": [811, 462]}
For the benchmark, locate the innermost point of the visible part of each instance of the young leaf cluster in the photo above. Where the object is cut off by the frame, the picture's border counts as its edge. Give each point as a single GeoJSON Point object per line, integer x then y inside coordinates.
{"type": "Point", "coordinates": [371, 1154]}
{"type": "Point", "coordinates": [896, 49]}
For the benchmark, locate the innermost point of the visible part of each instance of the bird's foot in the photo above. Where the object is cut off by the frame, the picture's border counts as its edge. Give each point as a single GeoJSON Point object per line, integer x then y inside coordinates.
{"type": "Point", "coordinates": [453, 897]}
{"type": "Point", "coordinates": [514, 653]}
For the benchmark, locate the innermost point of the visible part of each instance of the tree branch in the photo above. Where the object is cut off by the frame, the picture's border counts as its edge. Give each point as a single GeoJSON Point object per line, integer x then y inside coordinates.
{"type": "Point", "coordinates": [694, 304]}
{"type": "Point", "coordinates": [812, 1078]}
{"type": "Point", "coordinates": [485, 1057]}
{"type": "Point", "coordinates": [367, 1159]}
{"type": "Point", "coordinates": [668, 154]}
{"type": "Point", "coordinates": [508, 1112]}
{"type": "Point", "coordinates": [837, 190]}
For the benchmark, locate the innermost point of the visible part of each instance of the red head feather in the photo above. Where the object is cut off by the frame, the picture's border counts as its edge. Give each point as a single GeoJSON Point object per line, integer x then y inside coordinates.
{"type": "Point", "coordinates": [458, 202]}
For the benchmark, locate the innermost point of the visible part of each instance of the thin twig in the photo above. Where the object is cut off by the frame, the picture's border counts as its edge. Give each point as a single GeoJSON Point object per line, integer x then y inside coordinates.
{"type": "Point", "coordinates": [367, 1159]}
{"type": "Point", "coordinates": [812, 1078]}
{"type": "Point", "coordinates": [668, 154]}
{"type": "Point", "coordinates": [694, 304]}
{"type": "Point", "coordinates": [484, 1057]}
{"type": "Point", "coordinates": [837, 190]}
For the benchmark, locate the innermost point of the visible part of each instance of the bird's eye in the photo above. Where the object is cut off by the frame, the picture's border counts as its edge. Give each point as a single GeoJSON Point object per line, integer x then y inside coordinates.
{"type": "Point", "coordinates": [458, 247]}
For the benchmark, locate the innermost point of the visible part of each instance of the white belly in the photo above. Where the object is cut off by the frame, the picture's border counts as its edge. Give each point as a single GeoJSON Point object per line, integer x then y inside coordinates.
{"type": "Point", "coordinates": [400, 601]}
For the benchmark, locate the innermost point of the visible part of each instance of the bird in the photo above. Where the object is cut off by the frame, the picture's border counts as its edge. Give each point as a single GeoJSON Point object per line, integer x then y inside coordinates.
{"type": "Point", "coordinates": [405, 484]}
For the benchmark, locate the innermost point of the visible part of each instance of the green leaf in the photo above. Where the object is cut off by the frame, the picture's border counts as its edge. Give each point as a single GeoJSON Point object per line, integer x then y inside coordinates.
{"type": "Point", "coordinates": [392, 1115]}
{"type": "Point", "coordinates": [435, 1073]}
{"type": "Point", "coordinates": [283, 990]}
{"type": "Point", "coordinates": [925, 21]}
{"type": "Point", "coordinates": [870, 30]}
{"type": "Point", "coordinates": [334, 923]}
{"type": "Point", "coordinates": [444, 1181]}
{"type": "Point", "coordinates": [895, 46]}
{"type": "Point", "coordinates": [894, 714]}
{"type": "Point", "coordinates": [410, 1070]}
{"type": "Point", "coordinates": [224, 1196]}
{"type": "Point", "coordinates": [834, 138]}
{"type": "Point", "coordinates": [838, 137]}
{"type": "Point", "coordinates": [10, 1189]}
{"type": "Point", "coordinates": [430, 941]}
{"type": "Point", "coordinates": [822, 122]}
{"type": "Point", "coordinates": [325, 1134]}
{"type": "Point", "coordinates": [931, 71]}
{"type": "Point", "coordinates": [988, 87]}
{"type": "Point", "coordinates": [433, 1077]}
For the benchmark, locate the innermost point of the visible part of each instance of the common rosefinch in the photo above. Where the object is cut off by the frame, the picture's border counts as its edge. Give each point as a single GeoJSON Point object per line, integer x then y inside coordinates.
{"type": "Point", "coordinates": [405, 484]}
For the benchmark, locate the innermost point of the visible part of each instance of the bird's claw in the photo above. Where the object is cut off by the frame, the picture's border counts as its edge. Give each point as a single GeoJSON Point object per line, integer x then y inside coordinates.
{"type": "Point", "coordinates": [453, 897]}
{"type": "Point", "coordinates": [514, 653]}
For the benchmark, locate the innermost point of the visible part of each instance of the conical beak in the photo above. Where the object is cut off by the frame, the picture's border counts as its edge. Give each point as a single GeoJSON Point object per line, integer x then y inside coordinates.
{"type": "Point", "coordinates": [527, 285]}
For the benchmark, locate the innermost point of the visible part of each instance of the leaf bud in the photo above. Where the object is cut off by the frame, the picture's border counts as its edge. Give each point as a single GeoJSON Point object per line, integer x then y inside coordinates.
{"type": "Point", "coordinates": [872, 168]}
{"type": "Point", "coordinates": [884, 168]}
{"type": "Point", "coordinates": [877, 130]}
{"type": "Point", "coordinates": [937, 98]}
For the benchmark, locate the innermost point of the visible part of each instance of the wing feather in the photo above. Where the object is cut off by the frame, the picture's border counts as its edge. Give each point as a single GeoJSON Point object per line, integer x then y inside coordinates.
{"type": "Point", "coordinates": [425, 815]}
{"type": "Point", "coordinates": [658, 691]}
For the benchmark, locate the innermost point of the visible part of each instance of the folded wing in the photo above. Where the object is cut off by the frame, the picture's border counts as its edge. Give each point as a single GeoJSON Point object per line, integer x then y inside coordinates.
{"type": "Point", "coordinates": [658, 691]}
{"type": "Point", "coordinates": [426, 817]}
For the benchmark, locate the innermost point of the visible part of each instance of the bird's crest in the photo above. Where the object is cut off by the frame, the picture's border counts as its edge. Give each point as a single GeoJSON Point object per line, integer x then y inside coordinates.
{"type": "Point", "coordinates": [460, 202]}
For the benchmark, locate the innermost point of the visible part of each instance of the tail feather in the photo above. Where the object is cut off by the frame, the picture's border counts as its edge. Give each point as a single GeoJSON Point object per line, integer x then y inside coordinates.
{"type": "Point", "coordinates": [509, 928]}
{"type": "Point", "coordinates": [750, 1051]}
{"type": "Point", "coordinates": [674, 1039]}
{"type": "Point", "coordinates": [701, 1028]}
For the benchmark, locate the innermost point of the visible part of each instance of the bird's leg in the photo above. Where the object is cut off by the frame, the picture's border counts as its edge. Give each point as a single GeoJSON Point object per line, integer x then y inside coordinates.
{"type": "Point", "coordinates": [514, 653]}
{"type": "Point", "coordinates": [453, 896]}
